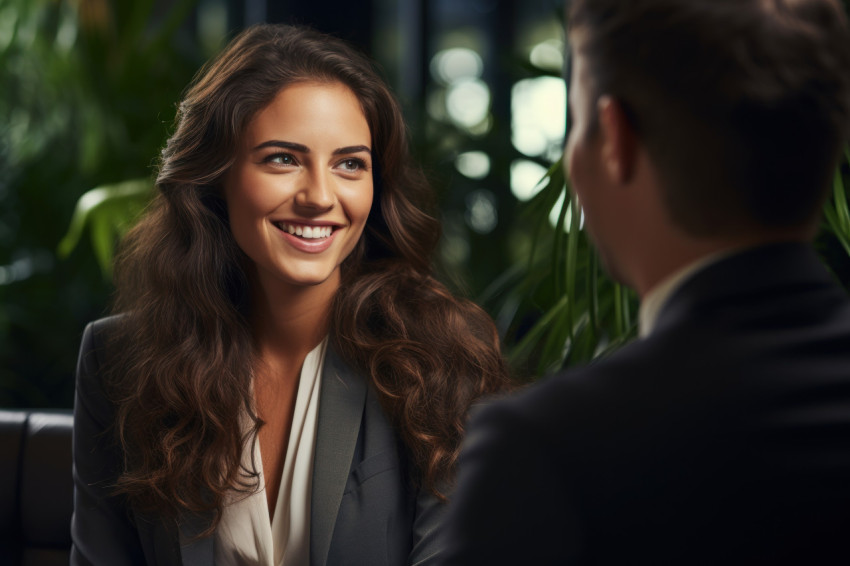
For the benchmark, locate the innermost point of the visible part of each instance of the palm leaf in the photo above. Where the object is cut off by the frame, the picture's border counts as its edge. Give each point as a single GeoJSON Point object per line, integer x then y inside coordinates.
{"type": "Point", "coordinates": [107, 211]}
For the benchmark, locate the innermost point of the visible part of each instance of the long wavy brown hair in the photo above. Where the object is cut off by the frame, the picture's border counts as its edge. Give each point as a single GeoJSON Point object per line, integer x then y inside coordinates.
{"type": "Point", "coordinates": [181, 377]}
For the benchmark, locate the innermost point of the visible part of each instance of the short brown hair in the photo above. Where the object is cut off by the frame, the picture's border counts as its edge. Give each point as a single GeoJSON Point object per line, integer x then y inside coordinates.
{"type": "Point", "coordinates": [743, 104]}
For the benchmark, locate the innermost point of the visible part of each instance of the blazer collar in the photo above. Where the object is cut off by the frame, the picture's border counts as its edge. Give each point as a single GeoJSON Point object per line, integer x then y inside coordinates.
{"type": "Point", "coordinates": [746, 276]}
{"type": "Point", "coordinates": [341, 403]}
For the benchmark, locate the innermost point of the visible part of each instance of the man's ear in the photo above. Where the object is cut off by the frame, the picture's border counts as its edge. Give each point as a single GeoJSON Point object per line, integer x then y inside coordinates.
{"type": "Point", "coordinates": [619, 149]}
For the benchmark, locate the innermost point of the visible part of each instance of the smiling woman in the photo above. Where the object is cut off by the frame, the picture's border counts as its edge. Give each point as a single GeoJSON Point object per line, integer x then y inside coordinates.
{"type": "Point", "coordinates": [299, 192]}
{"type": "Point", "coordinates": [285, 382]}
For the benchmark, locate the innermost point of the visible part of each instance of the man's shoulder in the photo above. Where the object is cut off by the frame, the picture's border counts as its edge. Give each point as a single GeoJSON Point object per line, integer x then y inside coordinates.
{"type": "Point", "coordinates": [594, 382]}
{"type": "Point", "coordinates": [577, 395]}
{"type": "Point", "coordinates": [635, 388]}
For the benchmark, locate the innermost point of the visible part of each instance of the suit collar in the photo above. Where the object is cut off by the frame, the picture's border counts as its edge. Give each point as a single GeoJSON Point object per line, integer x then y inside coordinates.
{"type": "Point", "coordinates": [341, 402]}
{"type": "Point", "coordinates": [746, 276]}
{"type": "Point", "coordinates": [652, 303]}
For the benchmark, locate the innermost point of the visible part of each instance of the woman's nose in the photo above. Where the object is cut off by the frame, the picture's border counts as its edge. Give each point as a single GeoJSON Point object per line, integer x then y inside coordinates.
{"type": "Point", "coordinates": [317, 191]}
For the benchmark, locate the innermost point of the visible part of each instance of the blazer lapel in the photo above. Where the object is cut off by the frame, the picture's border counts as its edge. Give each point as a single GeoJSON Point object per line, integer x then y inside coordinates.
{"type": "Point", "coordinates": [160, 540]}
{"type": "Point", "coordinates": [195, 551]}
{"type": "Point", "coordinates": [341, 402]}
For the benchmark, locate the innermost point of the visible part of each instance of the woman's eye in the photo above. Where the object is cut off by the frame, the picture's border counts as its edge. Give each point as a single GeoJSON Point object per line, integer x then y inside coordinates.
{"type": "Point", "coordinates": [280, 159]}
{"type": "Point", "coordinates": [352, 165]}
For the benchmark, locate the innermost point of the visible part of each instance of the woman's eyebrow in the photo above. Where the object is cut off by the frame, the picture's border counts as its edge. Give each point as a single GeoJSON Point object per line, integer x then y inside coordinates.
{"type": "Point", "coordinates": [352, 149]}
{"type": "Point", "coordinates": [284, 145]}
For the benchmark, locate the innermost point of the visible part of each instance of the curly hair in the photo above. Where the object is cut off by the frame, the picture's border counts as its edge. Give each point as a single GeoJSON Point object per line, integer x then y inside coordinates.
{"type": "Point", "coordinates": [180, 381]}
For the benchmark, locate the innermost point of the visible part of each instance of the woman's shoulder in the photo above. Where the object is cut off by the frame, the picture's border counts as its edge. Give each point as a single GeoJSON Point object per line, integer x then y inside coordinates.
{"type": "Point", "coordinates": [95, 336]}
{"type": "Point", "coordinates": [106, 325]}
{"type": "Point", "coordinates": [99, 335]}
{"type": "Point", "coordinates": [97, 350]}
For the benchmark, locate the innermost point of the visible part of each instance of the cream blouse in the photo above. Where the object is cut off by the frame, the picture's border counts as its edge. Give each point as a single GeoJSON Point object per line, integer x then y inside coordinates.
{"type": "Point", "coordinates": [245, 536]}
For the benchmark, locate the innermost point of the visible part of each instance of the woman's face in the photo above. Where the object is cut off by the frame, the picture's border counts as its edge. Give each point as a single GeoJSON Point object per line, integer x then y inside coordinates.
{"type": "Point", "coordinates": [300, 189]}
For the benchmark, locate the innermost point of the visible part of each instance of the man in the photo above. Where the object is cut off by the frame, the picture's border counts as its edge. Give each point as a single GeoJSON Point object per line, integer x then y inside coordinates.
{"type": "Point", "coordinates": [704, 137]}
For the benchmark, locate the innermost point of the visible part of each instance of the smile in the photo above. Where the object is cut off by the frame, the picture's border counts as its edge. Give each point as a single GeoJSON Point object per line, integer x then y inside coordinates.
{"type": "Point", "coordinates": [305, 231]}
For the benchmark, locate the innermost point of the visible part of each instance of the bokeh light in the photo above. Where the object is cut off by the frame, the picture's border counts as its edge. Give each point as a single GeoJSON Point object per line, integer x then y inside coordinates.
{"type": "Point", "coordinates": [481, 213]}
{"type": "Point", "coordinates": [539, 113]}
{"type": "Point", "coordinates": [468, 102]}
{"type": "Point", "coordinates": [456, 64]}
{"type": "Point", "coordinates": [473, 164]}
{"type": "Point", "coordinates": [526, 179]}
{"type": "Point", "coordinates": [548, 55]}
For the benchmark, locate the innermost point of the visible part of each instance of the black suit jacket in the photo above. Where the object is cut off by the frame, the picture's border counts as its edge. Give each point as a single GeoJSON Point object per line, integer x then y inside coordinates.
{"type": "Point", "coordinates": [364, 510]}
{"type": "Point", "coordinates": [722, 438]}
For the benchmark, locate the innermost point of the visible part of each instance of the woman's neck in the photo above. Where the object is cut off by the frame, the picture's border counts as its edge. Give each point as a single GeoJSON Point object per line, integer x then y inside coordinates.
{"type": "Point", "coordinates": [288, 321]}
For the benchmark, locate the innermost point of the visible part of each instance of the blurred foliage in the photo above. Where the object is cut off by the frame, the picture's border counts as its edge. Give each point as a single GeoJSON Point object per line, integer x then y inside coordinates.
{"type": "Point", "coordinates": [107, 213]}
{"type": "Point", "coordinates": [836, 214]}
{"type": "Point", "coordinates": [559, 307]}
{"type": "Point", "coordinates": [88, 92]}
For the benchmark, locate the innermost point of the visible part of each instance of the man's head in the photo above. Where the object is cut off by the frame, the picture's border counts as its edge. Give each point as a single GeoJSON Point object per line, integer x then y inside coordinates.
{"type": "Point", "coordinates": [742, 106]}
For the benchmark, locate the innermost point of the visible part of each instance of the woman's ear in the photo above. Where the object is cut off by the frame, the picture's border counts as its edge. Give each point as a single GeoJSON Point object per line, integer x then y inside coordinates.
{"type": "Point", "coordinates": [619, 140]}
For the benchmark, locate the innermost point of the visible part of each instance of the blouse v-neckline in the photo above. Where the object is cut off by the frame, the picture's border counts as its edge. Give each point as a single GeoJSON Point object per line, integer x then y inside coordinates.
{"type": "Point", "coordinates": [246, 535]}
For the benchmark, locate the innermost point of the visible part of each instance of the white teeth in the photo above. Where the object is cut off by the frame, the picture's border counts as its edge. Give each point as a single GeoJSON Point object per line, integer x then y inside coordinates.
{"type": "Point", "coordinates": [307, 232]}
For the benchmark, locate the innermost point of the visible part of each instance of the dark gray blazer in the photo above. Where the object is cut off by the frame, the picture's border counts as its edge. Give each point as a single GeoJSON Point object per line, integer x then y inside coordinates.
{"type": "Point", "coordinates": [364, 511]}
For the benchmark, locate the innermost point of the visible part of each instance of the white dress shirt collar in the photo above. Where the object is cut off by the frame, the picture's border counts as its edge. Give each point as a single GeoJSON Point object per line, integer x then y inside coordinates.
{"type": "Point", "coordinates": [657, 297]}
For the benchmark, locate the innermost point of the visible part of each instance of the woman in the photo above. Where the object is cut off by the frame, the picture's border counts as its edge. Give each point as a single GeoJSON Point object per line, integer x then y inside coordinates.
{"type": "Point", "coordinates": [287, 383]}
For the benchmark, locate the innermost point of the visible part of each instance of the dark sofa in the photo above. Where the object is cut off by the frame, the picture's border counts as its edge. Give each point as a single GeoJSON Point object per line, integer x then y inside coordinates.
{"type": "Point", "coordinates": [36, 489]}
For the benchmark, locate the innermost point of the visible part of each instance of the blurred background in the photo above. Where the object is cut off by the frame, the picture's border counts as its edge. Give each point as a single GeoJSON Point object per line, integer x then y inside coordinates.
{"type": "Point", "coordinates": [88, 91]}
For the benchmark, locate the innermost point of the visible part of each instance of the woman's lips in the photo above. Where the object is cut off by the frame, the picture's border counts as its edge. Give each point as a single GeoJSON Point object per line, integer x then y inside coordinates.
{"type": "Point", "coordinates": [308, 238]}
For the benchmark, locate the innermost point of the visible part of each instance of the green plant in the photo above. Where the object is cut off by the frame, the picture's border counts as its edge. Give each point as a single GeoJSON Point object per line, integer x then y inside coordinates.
{"type": "Point", "coordinates": [107, 212]}
{"type": "Point", "coordinates": [87, 89]}
{"type": "Point", "coordinates": [559, 307]}
{"type": "Point", "coordinates": [836, 214]}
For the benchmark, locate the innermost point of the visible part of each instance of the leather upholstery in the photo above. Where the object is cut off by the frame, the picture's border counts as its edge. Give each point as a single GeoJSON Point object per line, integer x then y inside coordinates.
{"type": "Point", "coordinates": [36, 491]}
